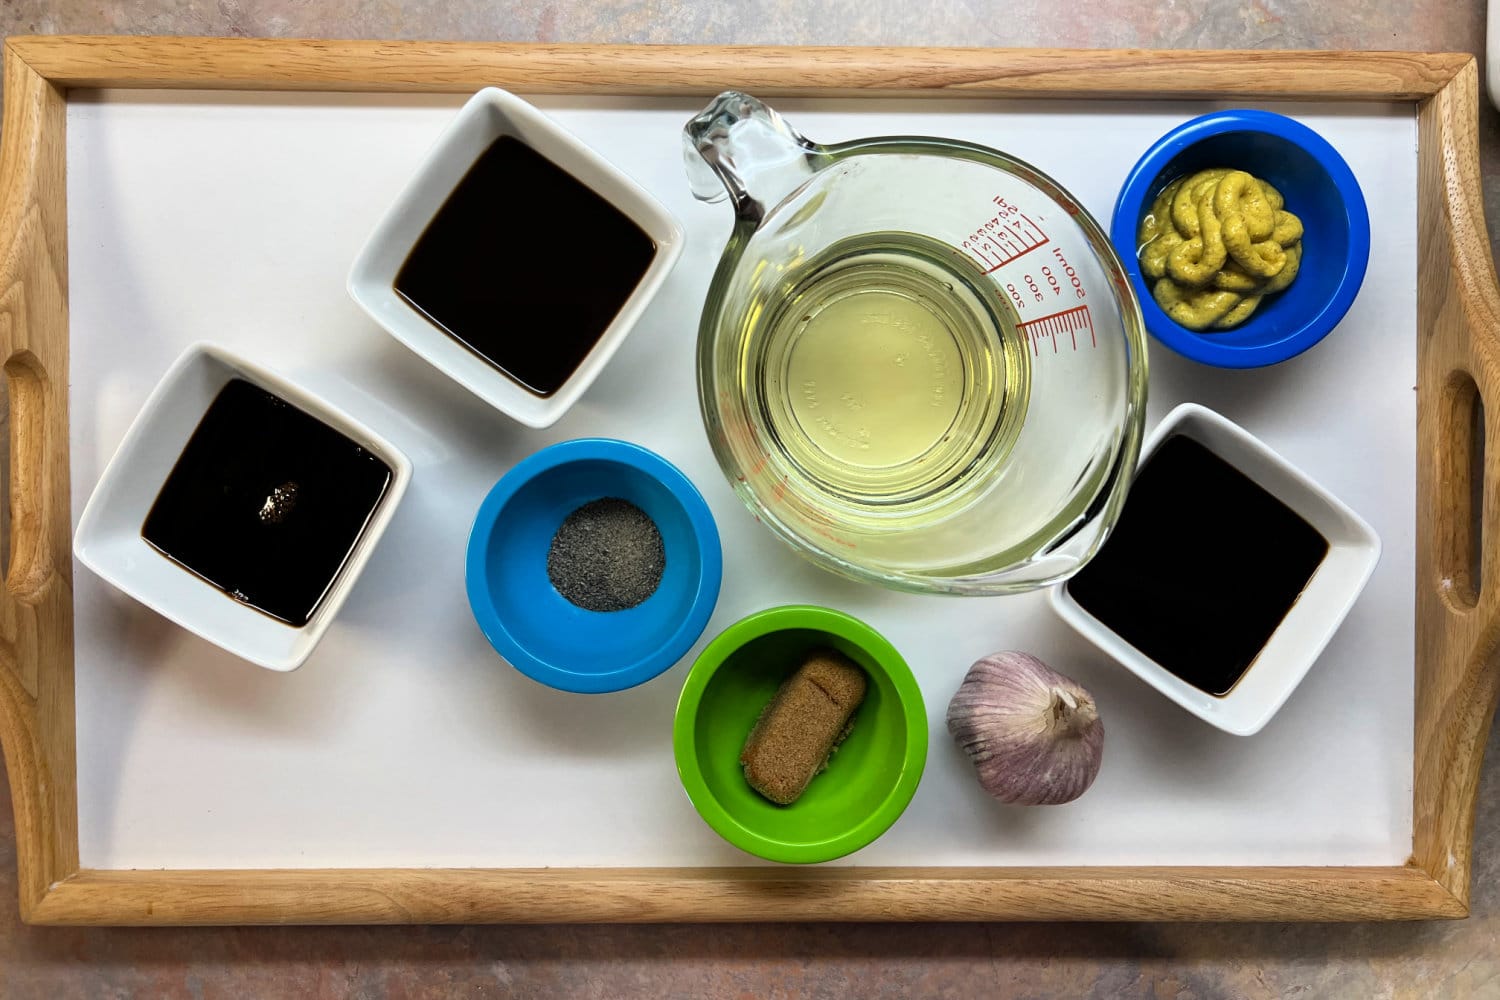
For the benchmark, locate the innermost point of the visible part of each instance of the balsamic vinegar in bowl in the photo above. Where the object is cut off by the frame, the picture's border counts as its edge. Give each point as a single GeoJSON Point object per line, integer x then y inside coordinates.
{"type": "Point", "coordinates": [525, 265]}
{"type": "Point", "coordinates": [266, 503]}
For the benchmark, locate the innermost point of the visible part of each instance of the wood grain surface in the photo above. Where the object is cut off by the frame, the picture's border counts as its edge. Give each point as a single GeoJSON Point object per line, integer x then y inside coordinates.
{"type": "Point", "coordinates": [456, 67]}
{"type": "Point", "coordinates": [36, 604]}
{"type": "Point", "coordinates": [1457, 680]}
{"type": "Point", "coordinates": [1458, 597]}
{"type": "Point", "coordinates": [445, 896]}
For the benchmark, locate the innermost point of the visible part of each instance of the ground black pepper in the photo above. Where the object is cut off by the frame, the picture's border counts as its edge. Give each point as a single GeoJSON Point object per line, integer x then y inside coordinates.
{"type": "Point", "coordinates": [607, 556]}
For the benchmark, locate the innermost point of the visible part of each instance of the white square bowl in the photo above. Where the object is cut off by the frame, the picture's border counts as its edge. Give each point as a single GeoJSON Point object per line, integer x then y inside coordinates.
{"type": "Point", "coordinates": [489, 115]}
{"type": "Point", "coordinates": [108, 540]}
{"type": "Point", "coordinates": [1353, 551]}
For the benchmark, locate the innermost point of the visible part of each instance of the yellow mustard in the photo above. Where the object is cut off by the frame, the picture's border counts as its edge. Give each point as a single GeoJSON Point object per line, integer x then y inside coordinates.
{"type": "Point", "coordinates": [1214, 244]}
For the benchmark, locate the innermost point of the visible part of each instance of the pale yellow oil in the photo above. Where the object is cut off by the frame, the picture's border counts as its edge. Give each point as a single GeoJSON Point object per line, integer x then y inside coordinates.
{"type": "Point", "coordinates": [890, 373]}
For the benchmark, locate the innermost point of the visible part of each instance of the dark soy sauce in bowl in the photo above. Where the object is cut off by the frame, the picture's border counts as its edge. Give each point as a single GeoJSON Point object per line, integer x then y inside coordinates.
{"type": "Point", "coordinates": [525, 265]}
{"type": "Point", "coordinates": [1202, 567]}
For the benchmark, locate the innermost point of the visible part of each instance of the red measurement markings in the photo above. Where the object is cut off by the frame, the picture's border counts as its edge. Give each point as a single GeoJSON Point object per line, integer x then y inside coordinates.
{"type": "Point", "coordinates": [1069, 322]}
{"type": "Point", "coordinates": [1002, 240]}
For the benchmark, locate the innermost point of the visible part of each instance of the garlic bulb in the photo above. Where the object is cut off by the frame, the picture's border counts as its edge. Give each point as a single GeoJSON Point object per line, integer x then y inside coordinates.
{"type": "Point", "coordinates": [1034, 735]}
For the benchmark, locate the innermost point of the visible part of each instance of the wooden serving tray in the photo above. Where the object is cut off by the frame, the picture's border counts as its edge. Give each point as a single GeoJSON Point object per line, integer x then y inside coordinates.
{"type": "Point", "coordinates": [1456, 684]}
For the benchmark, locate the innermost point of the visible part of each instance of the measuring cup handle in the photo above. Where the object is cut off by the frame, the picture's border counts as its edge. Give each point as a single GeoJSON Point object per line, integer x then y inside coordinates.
{"type": "Point", "coordinates": [739, 147]}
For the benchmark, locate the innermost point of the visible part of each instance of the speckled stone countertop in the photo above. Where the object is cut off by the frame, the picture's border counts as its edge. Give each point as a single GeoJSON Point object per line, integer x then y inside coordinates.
{"type": "Point", "coordinates": [1170, 962]}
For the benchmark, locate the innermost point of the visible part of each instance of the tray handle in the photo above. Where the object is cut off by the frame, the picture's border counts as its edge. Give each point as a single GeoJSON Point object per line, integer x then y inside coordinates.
{"type": "Point", "coordinates": [36, 601]}
{"type": "Point", "coordinates": [1458, 484]}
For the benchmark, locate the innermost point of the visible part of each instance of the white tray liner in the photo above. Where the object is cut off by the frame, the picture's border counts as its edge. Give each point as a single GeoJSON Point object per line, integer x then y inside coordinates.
{"type": "Point", "coordinates": [405, 741]}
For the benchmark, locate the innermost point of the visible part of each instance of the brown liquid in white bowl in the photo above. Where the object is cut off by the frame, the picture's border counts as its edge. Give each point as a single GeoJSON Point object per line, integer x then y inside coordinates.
{"type": "Point", "coordinates": [525, 265]}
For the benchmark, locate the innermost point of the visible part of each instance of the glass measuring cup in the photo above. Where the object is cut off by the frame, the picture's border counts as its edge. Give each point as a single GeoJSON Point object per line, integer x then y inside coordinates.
{"type": "Point", "coordinates": [920, 362]}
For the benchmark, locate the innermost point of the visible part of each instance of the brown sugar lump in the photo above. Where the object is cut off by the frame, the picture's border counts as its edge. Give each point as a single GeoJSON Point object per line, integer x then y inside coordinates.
{"type": "Point", "coordinates": [800, 727]}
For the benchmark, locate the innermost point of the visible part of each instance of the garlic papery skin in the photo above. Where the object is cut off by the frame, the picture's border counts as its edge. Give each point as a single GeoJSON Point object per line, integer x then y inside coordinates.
{"type": "Point", "coordinates": [1034, 736]}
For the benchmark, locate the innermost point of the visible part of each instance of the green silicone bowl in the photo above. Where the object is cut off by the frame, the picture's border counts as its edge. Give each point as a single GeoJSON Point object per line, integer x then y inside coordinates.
{"type": "Point", "coordinates": [871, 777]}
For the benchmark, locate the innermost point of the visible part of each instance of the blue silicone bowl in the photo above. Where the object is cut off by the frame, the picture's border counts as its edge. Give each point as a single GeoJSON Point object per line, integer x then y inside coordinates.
{"type": "Point", "coordinates": [541, 633]}
{"type": "Point", "coordinates": [1318, 187]}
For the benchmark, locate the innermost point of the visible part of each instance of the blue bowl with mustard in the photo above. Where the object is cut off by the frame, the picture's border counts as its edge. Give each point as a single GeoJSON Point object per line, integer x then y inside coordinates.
{"type": "Point", "coordinates": [512, 565]}
{"type": "Point", "coordinates": [1318, 188]}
